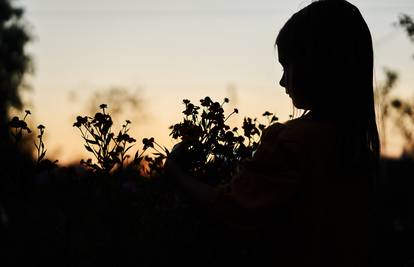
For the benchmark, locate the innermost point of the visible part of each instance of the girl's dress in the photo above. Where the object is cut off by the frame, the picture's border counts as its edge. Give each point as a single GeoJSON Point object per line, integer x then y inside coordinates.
{"type": "Point", "coordinates": [305, 196]}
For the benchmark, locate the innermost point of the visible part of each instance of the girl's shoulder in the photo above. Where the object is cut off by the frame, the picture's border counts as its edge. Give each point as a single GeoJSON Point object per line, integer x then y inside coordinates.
{"type": "Point", "coordinates": [272, 131]}
{"type": "Point", "coordinates": [302, 130]}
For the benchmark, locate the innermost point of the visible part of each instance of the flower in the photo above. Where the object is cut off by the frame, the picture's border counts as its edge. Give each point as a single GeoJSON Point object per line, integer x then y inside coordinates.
{"type": "Point", "coordinates": [79, 121]}
{"type": "Point", "coordinates": [206, 101]}
{"type": "Point", "coordinates": [22, 124]}
{"type": "Point", "coordinates": [14, 122]}
{"type": "Point", "coordinates": [99, 117]}
{"type": "Point", "coordinates": [148, 142]}
{"type": "Point", "coordinates": [189, 109]}
{"type": "Point", "coordinates": [103, 106]}
{"type": "Point", "coordinates": [41, 127]}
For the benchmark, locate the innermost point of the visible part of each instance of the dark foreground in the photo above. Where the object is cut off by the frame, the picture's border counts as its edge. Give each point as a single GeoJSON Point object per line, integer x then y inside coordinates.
{"type": "Point", "coordinates": [69, 217]}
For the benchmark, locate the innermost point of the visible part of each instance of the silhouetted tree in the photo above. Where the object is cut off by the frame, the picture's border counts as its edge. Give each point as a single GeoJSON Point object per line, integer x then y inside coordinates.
{"type": "Point", "coordinates": [406, 22]}
{"type": "Point", "coordinates": [384, 100]}
{"type": "Point", "coordinates": [403, 115]}
{"type": "Point", "coordinates": [14, 62]}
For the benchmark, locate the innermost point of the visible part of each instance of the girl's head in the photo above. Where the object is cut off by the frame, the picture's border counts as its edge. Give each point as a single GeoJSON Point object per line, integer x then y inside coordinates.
{"type": "Point", "coordinates": [327, 56]}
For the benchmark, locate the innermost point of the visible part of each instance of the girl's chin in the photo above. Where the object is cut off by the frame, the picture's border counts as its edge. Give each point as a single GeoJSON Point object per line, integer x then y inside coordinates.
{"type": "Point", "coordinates": [300, 105]}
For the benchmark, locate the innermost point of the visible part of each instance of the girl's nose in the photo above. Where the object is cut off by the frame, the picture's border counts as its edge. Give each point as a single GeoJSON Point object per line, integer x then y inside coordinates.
{"type": "Point", "coordinates": [282, 81]}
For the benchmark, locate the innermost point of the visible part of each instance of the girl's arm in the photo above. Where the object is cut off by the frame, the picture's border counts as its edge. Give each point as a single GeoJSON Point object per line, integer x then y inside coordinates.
{"type": "Point", "coordinates": [265, 183]}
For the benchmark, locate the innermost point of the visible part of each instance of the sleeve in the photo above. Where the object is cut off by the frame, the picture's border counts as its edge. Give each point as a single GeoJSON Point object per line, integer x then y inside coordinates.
{"type": "Point", "coordinates": [263, 185]}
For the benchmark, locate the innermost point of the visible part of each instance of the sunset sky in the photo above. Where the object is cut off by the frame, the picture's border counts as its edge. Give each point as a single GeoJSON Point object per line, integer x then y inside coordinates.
{"type": "Point", "coordinates": [165, 51]}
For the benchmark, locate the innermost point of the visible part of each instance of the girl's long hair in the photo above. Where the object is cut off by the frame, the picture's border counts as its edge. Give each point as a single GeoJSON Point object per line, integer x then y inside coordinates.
{"type": "Point", "coordinates": [332, 42]}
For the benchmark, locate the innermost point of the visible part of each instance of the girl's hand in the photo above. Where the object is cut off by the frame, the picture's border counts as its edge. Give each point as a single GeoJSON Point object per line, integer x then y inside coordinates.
{"type": "Point", "coordinates": [173, 170]}
{"type": "Point", "coordinates": [178, 151]}
{"type": "Point", "coordinates": [174, 161]}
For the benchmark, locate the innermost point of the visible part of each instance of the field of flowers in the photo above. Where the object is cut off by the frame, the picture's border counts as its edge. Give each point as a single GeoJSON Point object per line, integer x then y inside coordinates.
{"type": "Point", "coordinates": [118, 208]}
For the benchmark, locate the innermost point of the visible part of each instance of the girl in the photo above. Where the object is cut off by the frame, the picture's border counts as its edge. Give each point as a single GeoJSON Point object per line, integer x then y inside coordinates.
{"type": "Point", "coordinates": [307, 192]}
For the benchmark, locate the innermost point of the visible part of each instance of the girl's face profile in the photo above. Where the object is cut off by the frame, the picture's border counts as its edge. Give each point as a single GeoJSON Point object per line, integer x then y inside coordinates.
{"type": "Point", "coordinates": [293, 80]}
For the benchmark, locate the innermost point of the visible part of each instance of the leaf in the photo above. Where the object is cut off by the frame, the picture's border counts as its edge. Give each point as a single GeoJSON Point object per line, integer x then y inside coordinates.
{"type": "Point", "coordinates": [88, 148]}
{"type": "Point", "coordinates": [204, 123]}
{"type": "Point", "coordinates": [42, 155]}
{"type": "Point", "coordinates": [105, 146]}
{"type": "Point", "coordinates": [262, 127]}
{"type": "Point", "coordinates": [106, 127]}
{"type": "Point", "coordinates": [100, 157]}
{"type": "Point", "coordinates": [128, 148]}
{"type": "Point", "coordinates": [167, 152]}
{"type": "Point", "coordinates": [97, 137]}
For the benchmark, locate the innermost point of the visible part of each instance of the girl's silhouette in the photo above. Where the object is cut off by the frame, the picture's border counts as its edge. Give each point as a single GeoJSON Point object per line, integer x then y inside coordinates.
{"type": "Point", "coordinates": [308, 190]}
